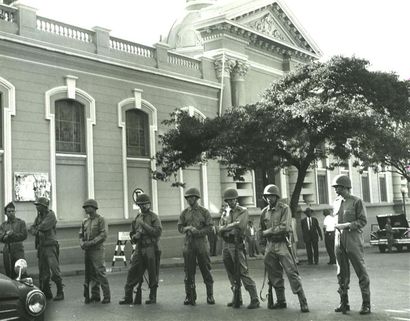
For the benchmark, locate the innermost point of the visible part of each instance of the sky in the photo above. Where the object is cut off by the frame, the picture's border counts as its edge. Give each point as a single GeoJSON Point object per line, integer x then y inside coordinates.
{"type": "Point", "coordinates": [376, 30]}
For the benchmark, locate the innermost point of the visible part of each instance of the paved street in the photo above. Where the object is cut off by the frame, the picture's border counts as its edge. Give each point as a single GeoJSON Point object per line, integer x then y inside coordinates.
{"type": "Point", "coordinates": [390, 286]}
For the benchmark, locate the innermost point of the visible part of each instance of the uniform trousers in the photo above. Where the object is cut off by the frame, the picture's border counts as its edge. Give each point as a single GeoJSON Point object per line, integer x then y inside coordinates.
{"type": "Point", "coordinates": [10, 258]}
{"type": "Point", "coordinates": [197, 250]}
{"type": "Point", "coordinates": [94, 260]}
{"type": "Point", "coordinates": [48, 261]}
{"type": "Point", "coordinates": [144, 259]}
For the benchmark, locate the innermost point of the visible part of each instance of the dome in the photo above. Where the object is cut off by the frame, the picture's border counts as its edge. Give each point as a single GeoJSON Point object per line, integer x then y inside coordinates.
{"type": "Point", "coordinates": [182, 33]}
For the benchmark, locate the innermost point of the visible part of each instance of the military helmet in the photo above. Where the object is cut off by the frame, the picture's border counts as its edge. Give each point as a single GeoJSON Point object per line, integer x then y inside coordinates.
{"type": "Point", "coordinates": [271, 189]}
{"type": "Point", "coordinates": [143, 199]}
{"type": "Point", "coordinates": [42, 201]}
{"type": "Point", "coordinates": [192, 192]}
{"type": "Point", "coordinates": [90, 202]}
{"type": "Point", "coordinates": [342, 180]}
{"type": "Point", "coordinates": [230, 194]}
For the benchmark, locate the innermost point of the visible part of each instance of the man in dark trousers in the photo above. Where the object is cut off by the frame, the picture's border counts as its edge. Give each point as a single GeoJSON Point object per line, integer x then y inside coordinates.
{"type": "Point", "coordinates": [93, 234]}
{"type": "Point", "coordinates": [311, 232]}
{"type": "Point", "coordinates": [233, 226]}
{"type": "Point", "coordinates": [145, 232]}
{"type": "Point", "coordinates": [195, 222]}
{"type": "Point", "coordinates": [48, 250]}
{"type": "Point", "coordinates": [12, 233]}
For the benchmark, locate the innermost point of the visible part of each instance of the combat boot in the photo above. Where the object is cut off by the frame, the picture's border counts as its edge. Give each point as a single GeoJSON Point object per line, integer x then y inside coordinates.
{"type": "Point", "coordinates": [210, 294]}
{"type": "Point", "coordinates": [303, 302]}
{"type": "Point", "coordinates": [281, 300]}
{"type": "Point", "coordinates": [60, 293]}
{"type": "Point", "coordinates": [344, 304]}
{"type": "Point", "coordinates": [152, 296]}
{"type": "Point", "coordinates": [365, 308]}
{"type": "Point", "coordinates": [128, 298]}
{"type": "Point", "coordinates": [230, 304]}
{"type": "Point", "coordinates": [125, 300]}
{"type": "Point", "coordinates": [254, 298]}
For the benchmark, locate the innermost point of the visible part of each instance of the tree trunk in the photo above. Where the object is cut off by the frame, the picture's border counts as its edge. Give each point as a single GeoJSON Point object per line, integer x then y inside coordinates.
{"type": "Point", "coordinates": [294, 200]}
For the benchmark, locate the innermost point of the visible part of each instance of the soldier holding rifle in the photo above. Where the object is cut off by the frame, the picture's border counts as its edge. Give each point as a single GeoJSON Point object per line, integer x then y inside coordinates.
{"type": "Point", "coordinates": [276, 224]}
{"type": "Point", "coordinates": [196, 222]}
{"type": "Point", "coordinates": [232, 230]}
{"type": "Point", "coordinates": [145, 232]}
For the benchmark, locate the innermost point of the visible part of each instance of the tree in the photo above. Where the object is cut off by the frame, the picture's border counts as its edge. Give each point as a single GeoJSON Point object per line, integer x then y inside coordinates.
{"type": "Point", "coordinates": [321, 104]}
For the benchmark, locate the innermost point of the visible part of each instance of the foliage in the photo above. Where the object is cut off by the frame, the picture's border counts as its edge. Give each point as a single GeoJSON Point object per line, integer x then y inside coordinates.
{"type": "Point", "coordinates": [318, 110]}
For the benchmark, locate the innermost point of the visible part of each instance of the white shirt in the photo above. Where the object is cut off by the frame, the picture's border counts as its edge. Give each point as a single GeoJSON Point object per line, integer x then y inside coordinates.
{"type": "Point", "coordinates": [329, 223]}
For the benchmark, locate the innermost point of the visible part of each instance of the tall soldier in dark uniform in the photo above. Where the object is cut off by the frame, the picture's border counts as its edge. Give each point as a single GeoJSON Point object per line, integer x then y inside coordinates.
{"type": "Point", "coordinates": [48, 250]}
{"type": "Point", "coordinates": [195, 222]}
{"type": "Point", "coordinates": [234, 226]}
{"type": "Point", "coordinates": [145, 232]}
{"type": "Point", "coordinates": [12, 233]}
{"type": "Point", "coordinates": [276, 224]}
{"type": "Point", "coordinates": [93, 234]}
{"type": "Point", "coordinates": [349, 245]}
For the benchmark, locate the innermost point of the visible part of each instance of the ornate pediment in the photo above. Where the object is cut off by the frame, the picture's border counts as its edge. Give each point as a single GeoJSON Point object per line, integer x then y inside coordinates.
{"type": "Point", "coordinates": [268, 26]}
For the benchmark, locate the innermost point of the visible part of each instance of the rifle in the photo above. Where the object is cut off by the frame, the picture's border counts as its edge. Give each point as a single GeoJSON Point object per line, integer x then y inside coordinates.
{"type": "Point", "coordinates": [237, 275]}
{"type": "Point", "coordinates": [289, 247]}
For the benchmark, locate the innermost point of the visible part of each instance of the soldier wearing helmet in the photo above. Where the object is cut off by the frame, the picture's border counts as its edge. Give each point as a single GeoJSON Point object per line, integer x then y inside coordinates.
{"type": "Point", "coordinates": [351, 218]}
{"type": "Point", "coordinates": [232, 227]}
{"type": "Point", "coordinates": [12, 233]}
{"type": "Point", "coordinates": [146, 230]}
{"type": "Point", "coordinates": [276, 225]}
{"type": "Point", "coordinates": [195, 222]}
{"type": "Point", "coordinates": [93, 234]}
{"type": "Point", "coordinates": [44, 230]}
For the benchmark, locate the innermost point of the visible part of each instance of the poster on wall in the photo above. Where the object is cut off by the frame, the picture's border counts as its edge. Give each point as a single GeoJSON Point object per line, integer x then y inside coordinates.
{"type": "Point", "coordinates": [30, 186]}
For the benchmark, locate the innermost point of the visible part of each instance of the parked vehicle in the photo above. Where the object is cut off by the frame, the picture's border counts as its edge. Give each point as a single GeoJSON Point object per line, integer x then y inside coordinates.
{"type": "Point", "coordinates": [20, 299]}
{"type": "Point", "coordinates": [401, 232]}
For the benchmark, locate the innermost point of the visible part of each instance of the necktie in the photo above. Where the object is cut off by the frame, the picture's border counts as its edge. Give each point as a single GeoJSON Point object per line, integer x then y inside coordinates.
{"type": "Point", "coordinates": [309, 223]}
{"type": "Point", "coordinates": [340, 213]}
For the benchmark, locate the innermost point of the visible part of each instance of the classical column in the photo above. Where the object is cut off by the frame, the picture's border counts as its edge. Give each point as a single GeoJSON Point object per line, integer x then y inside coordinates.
{"type": "Point", "coordinates": [238, 83]}
{"type": "Point", "coordinates": [223, 69]}
{"type": "Point", "coordinates": [397, 185]}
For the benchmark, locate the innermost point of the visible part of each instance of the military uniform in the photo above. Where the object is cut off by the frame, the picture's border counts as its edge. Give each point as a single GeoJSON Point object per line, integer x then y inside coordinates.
{"type": "Point", "coordinates": [44, 229]}
{"type": "Point", "coordinates": [238, 214]}
{"type": "Point", "coordinates": [349, 245]}
{"type": "Point", "coordinates": [93, 234]}
{"type": "Point", "coordinates": [13, 243]}
{"type": "Point", "coordinates": [277, 255]}
{"type": "Point", "coordinates": [146, 255]}
{"type": "Point", "coordinates": [196, 248]}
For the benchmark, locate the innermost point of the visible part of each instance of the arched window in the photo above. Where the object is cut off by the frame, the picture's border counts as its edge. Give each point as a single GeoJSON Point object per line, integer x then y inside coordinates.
{"type": "Point", "coordinates": [69, 122]}
{"type": "Point", "coordinates": [137, 133]}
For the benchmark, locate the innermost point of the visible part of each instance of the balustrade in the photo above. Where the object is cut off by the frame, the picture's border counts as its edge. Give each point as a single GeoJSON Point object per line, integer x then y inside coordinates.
{"type": "Point", "coordinates": [63, 30]}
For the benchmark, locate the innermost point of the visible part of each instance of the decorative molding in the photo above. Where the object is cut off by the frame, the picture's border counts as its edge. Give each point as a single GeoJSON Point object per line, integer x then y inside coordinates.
{"type": "Point", "coordinates": [137, 102]}
{"type": "Point", "coordinates": [267, 26]}
{"type": "Point", "coordinates": [90, 122]}
{"type": "Point", "coordinates": [226, 63]}
{"type": "Point", "coordinates": [9, 109]}
{"type": "Point", "coordinates": [240, 70]}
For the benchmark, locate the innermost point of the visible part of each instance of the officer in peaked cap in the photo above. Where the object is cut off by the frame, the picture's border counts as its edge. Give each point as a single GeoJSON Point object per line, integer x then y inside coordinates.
{"type": "Point", "coordinates": [44, 230]}
{"type": "Point", "coordinates": [195, 222]}
{"type": "Point", "coordinates": [93, 234]}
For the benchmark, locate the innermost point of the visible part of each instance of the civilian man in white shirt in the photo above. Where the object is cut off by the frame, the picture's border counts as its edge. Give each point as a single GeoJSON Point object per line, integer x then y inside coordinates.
{"type": "Point", "coordinates": [329, 231]}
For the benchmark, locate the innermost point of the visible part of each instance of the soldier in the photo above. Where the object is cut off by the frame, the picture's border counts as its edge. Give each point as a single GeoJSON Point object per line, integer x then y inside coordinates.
{"type": "Point", "coordinates": [145, 232]}
{"type": "Point", "coordinates": [48, 250]}
{"type": "Point", "coordinates": [276, 224]}
{"type": "Point", "coordinates": [232, 226]}
{"type": "Point", "coordinates": [12, 233]}
{"type": "Point", "coordinates": [195, 222]}
{"type": "Point", "coordinates": [351, 218]}
{"type": "Point", "coordinates": [93, 234]}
